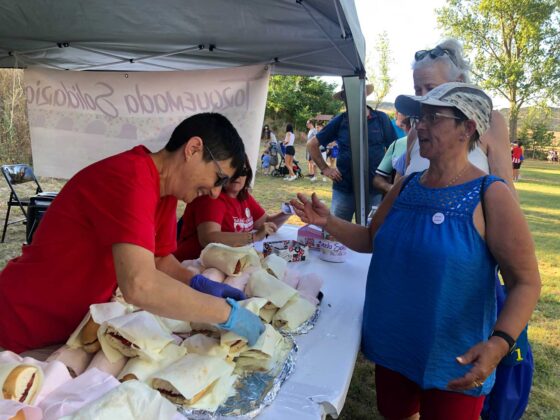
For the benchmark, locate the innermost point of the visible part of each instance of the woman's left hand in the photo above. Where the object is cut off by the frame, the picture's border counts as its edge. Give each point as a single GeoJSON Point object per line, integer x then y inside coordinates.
{"type": "Point", "coordinates": [484, 357]}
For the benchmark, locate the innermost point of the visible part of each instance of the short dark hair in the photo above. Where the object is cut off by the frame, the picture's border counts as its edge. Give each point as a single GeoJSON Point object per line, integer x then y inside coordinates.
{"type": "Point", "coordinates": [248, 172]}
{"type": "Point", "coordinates": [290, 128]}
{"type": "Point", "coordinates": [218, 134]}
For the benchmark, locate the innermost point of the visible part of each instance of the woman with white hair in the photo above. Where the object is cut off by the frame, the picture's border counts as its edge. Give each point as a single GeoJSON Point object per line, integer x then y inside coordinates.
{"type": "Point", "coordinates": [442, 64]}
{"type": "Point", "coordinates": [429, 320]}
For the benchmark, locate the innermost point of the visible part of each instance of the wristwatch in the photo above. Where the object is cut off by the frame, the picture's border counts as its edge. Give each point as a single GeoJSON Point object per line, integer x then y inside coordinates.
{"type": "Point", "coordinates": [506, 337]}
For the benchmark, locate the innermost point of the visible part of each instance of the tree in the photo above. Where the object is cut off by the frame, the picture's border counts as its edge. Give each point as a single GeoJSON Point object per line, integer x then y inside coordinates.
{"type": "Point", "coordinates": [514, 44]}
{"type": "Point", "coordinates": [295, 99]}
{"type": "Point", "coordinates": [535, 129]}
{"type": "Point", "coordinates": [377, 69]}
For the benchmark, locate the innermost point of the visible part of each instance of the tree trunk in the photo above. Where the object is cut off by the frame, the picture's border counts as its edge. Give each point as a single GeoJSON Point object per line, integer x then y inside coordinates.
{"type": "Point", "coordinates": [513, 116]}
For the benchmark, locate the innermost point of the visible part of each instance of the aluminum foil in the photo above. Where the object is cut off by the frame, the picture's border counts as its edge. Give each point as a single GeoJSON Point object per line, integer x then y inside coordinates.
{"type": "Point", "coordinates": [255, 391]}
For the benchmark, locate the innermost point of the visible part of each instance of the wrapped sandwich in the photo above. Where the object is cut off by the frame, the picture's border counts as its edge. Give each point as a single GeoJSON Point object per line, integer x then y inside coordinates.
{"type": "Point", "coordinates": [264, 355]}
{"type": "Point", "coordinates": [230, 260]}
{"type": "Point", "coordinates": [192, 378]}
{"type": "Point", "coordinates": [276, 265]}
{"type": "Point", "coordinates": [138, 369]}
{"type": "Point", "coordinates": [265, 285]}
{"type": "Point", "coordinates": [206, 346]}
{"type": "Point", "coordinates": [136, 334]}
{"type": "Point", "coordinates": [85, 335]}
{"type": "Point", "coordinates": [293, 314]}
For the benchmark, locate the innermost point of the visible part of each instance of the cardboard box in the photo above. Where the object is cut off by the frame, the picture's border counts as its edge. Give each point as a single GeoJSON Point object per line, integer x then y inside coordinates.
{"type": "Point", "coordinates": [311, 236]}
{"type": "Point", "coordinates": [291, 251]}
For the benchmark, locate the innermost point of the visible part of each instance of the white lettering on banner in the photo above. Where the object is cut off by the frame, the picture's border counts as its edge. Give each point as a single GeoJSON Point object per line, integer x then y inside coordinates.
{"type": "Point", "coordinates": [77, 118]}
{"type": "Point", "coordinates": [71, 97]}
{"type": "Point", "coordinates": [187, 102]}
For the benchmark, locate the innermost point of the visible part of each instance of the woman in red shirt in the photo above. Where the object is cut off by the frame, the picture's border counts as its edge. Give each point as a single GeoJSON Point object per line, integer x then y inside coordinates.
{"type": "Point", "coordinates": [234, 218]}
{"type": "Point", "coordinates": [517, 159]}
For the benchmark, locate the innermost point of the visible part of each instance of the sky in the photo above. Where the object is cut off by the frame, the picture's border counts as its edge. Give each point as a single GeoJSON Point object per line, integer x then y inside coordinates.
{"type": "Point", "coordinates": [400, 19]}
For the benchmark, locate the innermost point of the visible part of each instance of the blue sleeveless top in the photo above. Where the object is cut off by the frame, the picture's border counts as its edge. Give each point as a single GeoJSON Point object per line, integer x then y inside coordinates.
{"type": "Point", "coordinates": [430, 293]}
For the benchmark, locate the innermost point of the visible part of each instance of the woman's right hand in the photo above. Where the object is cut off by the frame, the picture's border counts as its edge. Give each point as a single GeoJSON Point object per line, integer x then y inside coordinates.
{"type": "Point", "coordinates": [312, 211]}
{"type": "Point", "coordinates": [268, 228]}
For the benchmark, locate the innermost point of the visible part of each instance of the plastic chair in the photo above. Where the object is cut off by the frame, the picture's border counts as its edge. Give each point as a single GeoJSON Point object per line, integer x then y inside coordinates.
{"type": "Point", "coordinates": [16, 175]}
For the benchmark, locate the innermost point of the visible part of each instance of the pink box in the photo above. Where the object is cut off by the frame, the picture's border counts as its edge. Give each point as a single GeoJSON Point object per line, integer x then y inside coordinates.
{"type": "Point", "coordinates": [310, 235]}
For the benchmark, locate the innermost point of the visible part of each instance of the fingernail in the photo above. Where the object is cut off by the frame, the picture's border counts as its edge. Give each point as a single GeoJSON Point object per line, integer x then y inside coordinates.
{"type": "Point", "coordinates": [459, 359]}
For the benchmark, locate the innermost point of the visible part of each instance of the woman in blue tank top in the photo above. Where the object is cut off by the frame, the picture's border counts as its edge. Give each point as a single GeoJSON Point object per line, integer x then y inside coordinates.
{"type": "Point", "coordinates": [429, 319]}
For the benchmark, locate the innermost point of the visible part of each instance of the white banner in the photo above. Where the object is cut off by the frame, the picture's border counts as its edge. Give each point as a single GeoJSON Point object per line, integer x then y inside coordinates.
{"type": "Point", "coordinates": [77, 118]}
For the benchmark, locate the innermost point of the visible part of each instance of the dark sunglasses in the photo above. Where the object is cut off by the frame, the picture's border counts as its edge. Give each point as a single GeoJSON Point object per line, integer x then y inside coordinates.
{"type": "Point", "coordinates": [223, 179]}
{"type": "Point", "coordinates": [434, 53]}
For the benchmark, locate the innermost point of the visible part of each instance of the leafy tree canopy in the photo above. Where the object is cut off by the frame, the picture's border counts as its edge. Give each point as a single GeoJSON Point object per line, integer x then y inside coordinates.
{"type": "Point", "coordinates": [296, 99]}
{"type": "Point", "coordinates": [514, 45]}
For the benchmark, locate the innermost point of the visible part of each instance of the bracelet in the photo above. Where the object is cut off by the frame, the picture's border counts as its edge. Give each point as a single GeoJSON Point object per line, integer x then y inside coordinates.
{"type": "Point", "coordinates": [506, 337]}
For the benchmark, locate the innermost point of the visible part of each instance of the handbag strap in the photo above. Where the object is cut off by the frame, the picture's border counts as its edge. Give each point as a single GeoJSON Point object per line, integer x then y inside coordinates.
{"type": "Point", "coordinates": [482, 191]}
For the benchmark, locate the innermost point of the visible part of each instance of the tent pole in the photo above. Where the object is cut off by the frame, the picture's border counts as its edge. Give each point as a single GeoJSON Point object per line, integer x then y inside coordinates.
{"type": "Point", "coordinates": [354, 88]}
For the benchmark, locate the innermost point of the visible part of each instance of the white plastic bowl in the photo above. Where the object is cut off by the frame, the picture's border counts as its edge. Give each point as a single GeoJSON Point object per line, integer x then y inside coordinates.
{"type": "Point", "coordinates": [333, 251]}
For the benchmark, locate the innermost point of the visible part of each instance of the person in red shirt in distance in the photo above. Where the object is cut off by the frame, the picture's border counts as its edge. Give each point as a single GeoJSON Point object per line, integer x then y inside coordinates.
{"type": "Point", "coordinates": [114, 223]}
{"type": "Point", "coordinates": [234, 218]}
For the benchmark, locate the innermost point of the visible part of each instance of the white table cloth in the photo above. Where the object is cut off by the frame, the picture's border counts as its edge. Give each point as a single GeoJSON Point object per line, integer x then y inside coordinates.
{"type": "Point", "coordinates": [327, 354]}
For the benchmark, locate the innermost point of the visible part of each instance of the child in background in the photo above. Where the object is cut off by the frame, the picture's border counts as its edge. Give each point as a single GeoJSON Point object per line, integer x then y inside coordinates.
{"type": "Point", "coordinates": [265, 163]}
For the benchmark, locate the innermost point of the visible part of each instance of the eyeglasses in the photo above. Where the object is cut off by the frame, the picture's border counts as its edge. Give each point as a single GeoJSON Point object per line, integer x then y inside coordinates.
{"type": "Point", "coordinates": [223, 179]}
{"type": "Point", "coordinates": [434, 53]}
{"type": "Point", "coordinates": [431, 118]}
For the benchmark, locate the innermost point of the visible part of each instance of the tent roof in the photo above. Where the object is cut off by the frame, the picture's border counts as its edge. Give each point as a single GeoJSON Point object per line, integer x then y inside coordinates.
{"type": "Point", "coordinates": [306, 37]}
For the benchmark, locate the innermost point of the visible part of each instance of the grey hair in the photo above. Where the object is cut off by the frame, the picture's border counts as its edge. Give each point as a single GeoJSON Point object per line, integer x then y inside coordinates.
{"type": "Point", "coordinates": [457, 72]}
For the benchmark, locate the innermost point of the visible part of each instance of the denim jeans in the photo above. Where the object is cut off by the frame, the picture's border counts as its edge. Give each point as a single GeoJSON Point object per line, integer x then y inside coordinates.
{"type": "Point", "coordinates": [344, 206]}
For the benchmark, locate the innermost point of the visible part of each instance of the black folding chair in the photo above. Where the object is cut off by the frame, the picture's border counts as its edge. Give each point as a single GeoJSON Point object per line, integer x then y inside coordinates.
{"type": "Point", "coordinates": [16, 175]}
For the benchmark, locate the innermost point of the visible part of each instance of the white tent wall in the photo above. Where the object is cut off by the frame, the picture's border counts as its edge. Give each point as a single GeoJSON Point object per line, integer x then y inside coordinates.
{"type": "Point", "coordinates": [304, 37]}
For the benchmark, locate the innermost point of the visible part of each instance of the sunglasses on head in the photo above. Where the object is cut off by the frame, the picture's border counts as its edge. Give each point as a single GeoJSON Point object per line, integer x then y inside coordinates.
{"type": "Point", "coordinates": [434, 53]}
{"type": "Point", "coordinates": [223, 179]}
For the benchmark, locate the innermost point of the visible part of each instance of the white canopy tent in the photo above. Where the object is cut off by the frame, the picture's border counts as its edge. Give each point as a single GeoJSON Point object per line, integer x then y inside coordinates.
{"type": "Point", "coordinates": [304, 37]}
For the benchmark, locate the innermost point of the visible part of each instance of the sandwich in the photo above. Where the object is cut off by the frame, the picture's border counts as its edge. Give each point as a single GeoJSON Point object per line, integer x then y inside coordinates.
{"type": "Point", "coordinates": [293, 314]}
{"type": "Point", "coordinates": [191, 378]}
{"type": "Point", "coordinates": [85, 335]}
{"type": "Point", "coordinates": [276, 266]}
{"type": "Point", "coordinates": [229, 260]}
{"type": "Point", "coordinates": [138, 369]}
{"type": "Point", "coordinates": [205, 346]}
{"type": "Point", "coordinates": [20, 382]}
{"type": "Point", "coordinates": [136, 334]}
{"type": "Point", "coordinates": [265, 285]}
{"type": "Point", "coordinates": [265, 353]}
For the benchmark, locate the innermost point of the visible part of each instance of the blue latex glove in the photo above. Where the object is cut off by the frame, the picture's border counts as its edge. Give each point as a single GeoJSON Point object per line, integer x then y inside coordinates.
{"type": "Point", "coordinates": [243, 322]}
{"type": "Point", "coordinates": [210, 287]}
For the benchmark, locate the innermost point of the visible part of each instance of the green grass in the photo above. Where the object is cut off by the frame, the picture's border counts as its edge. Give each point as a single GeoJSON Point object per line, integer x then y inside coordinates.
{"type": "Point", "coordinates": [539, 191]}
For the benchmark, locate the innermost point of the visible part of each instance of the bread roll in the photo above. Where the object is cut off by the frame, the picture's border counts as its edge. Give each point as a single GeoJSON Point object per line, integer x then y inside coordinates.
{"type": "Point", "coordinates": [21, 384]}
{"type": "Point", "coordinates": [88, 337]}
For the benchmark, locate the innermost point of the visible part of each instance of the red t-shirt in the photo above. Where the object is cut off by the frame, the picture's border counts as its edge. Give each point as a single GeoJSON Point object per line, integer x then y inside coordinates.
{"type": "Point", "coordinates": [516, 153]}
{"type": "Point", "coordinates": [230, 213]}
{"type": "Point", "coordinates": [46, 292]}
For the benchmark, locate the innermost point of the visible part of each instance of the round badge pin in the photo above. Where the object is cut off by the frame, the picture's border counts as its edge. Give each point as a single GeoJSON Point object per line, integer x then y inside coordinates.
{"type": "Point", "coordinates": [438, 218]}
